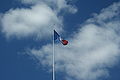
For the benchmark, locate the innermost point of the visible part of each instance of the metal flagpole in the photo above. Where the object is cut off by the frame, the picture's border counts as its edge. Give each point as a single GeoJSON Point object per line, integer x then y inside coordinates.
{"type": "Point", "coordinates": [53, 58]}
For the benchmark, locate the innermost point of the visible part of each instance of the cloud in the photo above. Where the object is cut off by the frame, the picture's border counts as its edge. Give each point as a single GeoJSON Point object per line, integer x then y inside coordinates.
{"type": "Point", "coordinates": [38, 20]}
{"type": "Point", "coordinates": [58, 5]}
{"type": "Point", "coordinates": [107, 14]}
{"type": "Point", "coordinates": [91, 51]}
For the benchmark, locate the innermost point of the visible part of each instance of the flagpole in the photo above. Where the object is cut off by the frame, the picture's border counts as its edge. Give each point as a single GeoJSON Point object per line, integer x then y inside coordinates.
{"type": "Point", "coordinates": [53, 57]}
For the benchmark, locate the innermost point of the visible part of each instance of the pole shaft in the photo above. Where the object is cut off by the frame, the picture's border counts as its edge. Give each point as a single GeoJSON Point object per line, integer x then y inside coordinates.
{"type": "Point", "coordinates": [53, 58]}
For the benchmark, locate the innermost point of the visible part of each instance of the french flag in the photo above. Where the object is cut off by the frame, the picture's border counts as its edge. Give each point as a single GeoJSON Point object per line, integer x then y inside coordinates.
{"type": "Point", "coordinates": [57, 36]}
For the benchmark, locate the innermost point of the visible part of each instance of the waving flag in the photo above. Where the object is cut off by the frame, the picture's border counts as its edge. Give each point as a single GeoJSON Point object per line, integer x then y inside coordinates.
{"type": "Point", "coordinates": [57, 36]}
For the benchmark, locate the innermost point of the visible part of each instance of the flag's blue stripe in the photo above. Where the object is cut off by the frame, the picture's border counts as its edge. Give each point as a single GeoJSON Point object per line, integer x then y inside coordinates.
{"type": "Point", "coordinates": [56, 35]}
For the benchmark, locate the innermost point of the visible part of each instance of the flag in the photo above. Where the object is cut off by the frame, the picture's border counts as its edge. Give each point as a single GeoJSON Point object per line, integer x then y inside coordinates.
{"type": "Point", "coordinates": [57, 36]}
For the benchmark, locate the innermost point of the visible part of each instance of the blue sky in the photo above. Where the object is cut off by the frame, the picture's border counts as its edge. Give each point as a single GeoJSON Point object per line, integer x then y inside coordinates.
{"type": "Point", "coordinates": [20, 49]}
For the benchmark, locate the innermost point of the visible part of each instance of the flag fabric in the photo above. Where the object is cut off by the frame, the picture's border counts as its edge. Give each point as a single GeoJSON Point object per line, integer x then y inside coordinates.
{"type": "Point", "coordinates": [57, 36]}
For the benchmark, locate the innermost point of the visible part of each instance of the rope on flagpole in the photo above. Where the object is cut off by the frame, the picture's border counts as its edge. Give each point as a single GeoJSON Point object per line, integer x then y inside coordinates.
{"type": "Point", "coordinates": [53, 57]}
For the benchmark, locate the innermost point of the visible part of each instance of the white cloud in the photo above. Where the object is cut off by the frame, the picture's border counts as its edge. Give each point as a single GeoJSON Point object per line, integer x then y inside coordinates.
{"type": "Point", "coordinates": [92, 50]}
{"type": "Point", "coordinates": [107, 14]}
{"type": "Point", "coordinates": [37, 20]}
{"type": "Point", "coordinates": [58, 5]}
